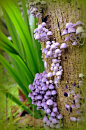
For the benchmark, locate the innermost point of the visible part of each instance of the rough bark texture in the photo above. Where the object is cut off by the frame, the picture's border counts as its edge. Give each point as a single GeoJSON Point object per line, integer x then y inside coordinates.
{"type": "Point", "coordinates": [58, 13]}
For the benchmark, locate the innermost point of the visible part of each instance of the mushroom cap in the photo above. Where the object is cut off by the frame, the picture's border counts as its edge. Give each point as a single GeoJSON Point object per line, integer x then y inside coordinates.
{"type": "Point", "coordinates": [83, 35]}
{"type": "Point", "coordinates": [49, 33]}
{"type": "Point", "coordinates": [48, 46]}
{"type": "Point", "coordinates": [81, 75]}
{"type": "Point", "coordinates": [79, 23]}
{"type": "Point", "coordinates": [51, 86]}
{"type": "Point", "coordinates": [55, 109]}
{"type": "Point", "coordinates": [55, 68]}
{"type": "Point", "coordinates": [40, 27]}
{"type": "Point", "coordinates": [73, 105]}
{"type": "Point", "coordinates": [48, 111]}
{"type": "Point", "coordinates": [54, 121]}
{"type": "Point", "coordinates": [49, 102]}
{"type": "Point", "coordinates": [49, 53]}
{"type": "Point", "coordinates": [54, 104]}
{"type": "Point", "coordinates": [56, 44]}
{"type": "Point", "coordinates": [73, 119]}
{"type": "Point", "coordinates": [50, 118]}
{"type": "Point", "coordinates": [67, 39]}
{"type": "Point", "coordinates": [53, 114]}
{"type": "Point", "coordinates": [48, 122]}
{"type": "Point", "coordinates": [43, 24]}
{"type": "Point", "coordinates": [45, 106]}
{"type": "Point", "coordinates": [54, 92]}
{"type": "Point", "coordinates": [71, 30]}
{"type": "Point", "coordinates": [36, 30]}
{"type": "Point", "coordinates": [38, 36]}
{"type": "Point", "coordinates": [39, 97]}
{"type": "Point", "coordinates": [48, 93]}
{"type": "Point", "coordinates": [59, 73]}
{"type": "Point", "coordinates": [48, 43]}
{"type": "Point", "coordinates": [46, 30]}
{"type": "Point", "coordinates": [53, 46]}
{"type": "Point", "coordinates": [57, 51]}
{"type": "Point", "coordinates": [43, 34]}
{"type": "Point", "coordinates": [30, 86]}
{"type": "Point", "coordinates": [49, 74]}
{"type": "Point", "coordinates": [74, 43]}
{"type": "Point", "coordinates": [60, 116]}
{"type": "Point", "coordinates": [44, 88]}
{"type": "Point", "coordinates": [64, 32]}
{"type": "Point", "coordinates": [63, 45]}
{"type": "Point", "coordinates": [44, 79]}
{"type": "Point", "coordinates": [45, 119]}
{"type": "Point", "coordinates": [30, 94]}
{"type": "Point", "coordinates": [67, 106]}
{"type": "Point", "coordinates": [54, 60]}
{"type": "Point", "coordinates": [69, 25]}
{"type": "Point", "coordinates": [79, 30]}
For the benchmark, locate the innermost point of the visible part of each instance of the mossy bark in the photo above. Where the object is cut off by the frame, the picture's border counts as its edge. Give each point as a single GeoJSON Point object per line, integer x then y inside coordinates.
{"type": "Point", "coordinates": [56, 14]}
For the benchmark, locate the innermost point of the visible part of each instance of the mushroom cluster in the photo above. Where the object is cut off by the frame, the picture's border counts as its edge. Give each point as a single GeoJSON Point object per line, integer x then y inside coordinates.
{"type": "Point", "coordinates": [44, 96]}
{"type": "Point", "coordinates": [53, 50]}
{"type": "Point", "coordinates": [75, 33]}
{"type": "Point", "coordinates": [35, 13]}
{"type": "Point", "coordinates": [41, 33]}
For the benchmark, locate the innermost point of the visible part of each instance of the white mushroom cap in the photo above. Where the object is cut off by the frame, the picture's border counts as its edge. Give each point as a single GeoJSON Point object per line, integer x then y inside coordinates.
{"type": "Point", "coordinates": [67, 106]}
{"type": "Point", "coordinates": [71, 30]}
{"type": "Point", "coordinates": [53, 46]}
{"type": "Point", "coordinates": [45, 119]}
{"type": "Point", "coordinates": [48, 46]}
{"type": "Point", "coordinates": [54, 60]}
{"type": "Point", "coordinates": [60, 116]}
{"type": "Point", "coordinates": [74, 43]}
{"type": "Point", "coordinates": [55, 68]}
{"type": "Point", "coordinates": [63, 45]}
{"type": "Point", "coordinates": [69, 25]}
{"type": "Point", "coordinates": [49, 33]}
{"type": "Point", "coordinates": [48, 43]}
{"type": "Point", "coordinates": [43, 24]}
{"type": "Point", "coordinates": [53, 64]}
{"type": "Point", "coordinates": [36, 30]}
{"type": "Point", "coordinates": [73, 119]}
{"type": "Point", "coordinates": [57, 51]}
{"type": "Point", "coordinates": [46, 30]}
{"type": "Point", "coordinates": [48, 93]}
{"type": "Point", "coordinates": [59, 73]}
{"type": "Point", "coordinates": [49, 74]}
{"type": "Point", "coordinates": [49, 102]}
{"type": "Point", "coordinates": [48, 111]}
{"type": "Point", "coordinates": [55, 109]}
{"type": "Point", "coordinates": [67, 39]}
{"type": "Point", "coordinates": [79, 30]}
{"type": "Point", "coordinates": [64, 32]}
{"type": "Point", "coordinates": [40, 27]}
{"type": "Point", "coordinates": [37, 37]}
{"type": "Point", "coordinates": [57, 44]}
{"type": "Point", "coordinates": [49, 53]}
{"type": "Point", "coordinates": [53, 114]}
{"type": "Point", "coordinates": [54, 92]}
{"type": "Point", "coordinates": [48, 122]}
{"type": "Point", "coordinates": [81, 75]}
{"type": "Point", "coordinates": [54, 121]}
{"type": "Point", "coordinates": [79, 23]}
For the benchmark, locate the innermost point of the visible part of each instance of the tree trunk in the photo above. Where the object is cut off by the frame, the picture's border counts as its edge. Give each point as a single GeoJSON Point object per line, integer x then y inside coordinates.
{"type": "Point", "coordinates": [56, 14]}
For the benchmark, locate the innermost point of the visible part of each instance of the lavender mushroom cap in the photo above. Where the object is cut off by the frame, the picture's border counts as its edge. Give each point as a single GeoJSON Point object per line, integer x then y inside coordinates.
{"type": "Point", "coordinates": [63, 45]}
{"type": "Point", "coordinates": [45, 119]}
{"type": "Point", "coordinates": [71, 30]}
{"type": "Point", "coordinates": [49, 102]}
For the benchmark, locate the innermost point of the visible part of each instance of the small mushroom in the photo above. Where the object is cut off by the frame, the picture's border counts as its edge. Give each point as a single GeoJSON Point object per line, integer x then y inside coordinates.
{"type": "Point", "coordinates": [49, 33]}
{"type": "Point", "coordinates": [45, 119]}
{"type": "Point", "coordinates": [73, 119]}
{"type": "Point", "coordinates": [49, 102]}
{"type": "Point", "coordinates": [71, 30]}
{"type": "Point", "coordinates": [69, 25]}
{"type": "Point", "coordinates": [63, 46]}
{"type": "Point", "coordinates": [55, 109]}
{"type": "Point", "coordinates": [79, 30]}
{"type": "Point", "coordinates": [64, 32]}
{"type": "Point", "coordinates": [60, 116]}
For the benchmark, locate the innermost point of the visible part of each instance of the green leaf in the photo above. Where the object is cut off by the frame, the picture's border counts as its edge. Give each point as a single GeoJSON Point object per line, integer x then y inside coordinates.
{"type": "Point", "coordinates": [14, 99]}
{"type": "Point", "coordinates": [23, 33]}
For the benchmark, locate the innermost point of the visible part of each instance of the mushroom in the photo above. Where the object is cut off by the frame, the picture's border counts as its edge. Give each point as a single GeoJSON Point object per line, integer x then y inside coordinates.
{"type": "Point", "coordinates": [60, 116]}
{"type": "Point", "coordinates": [55, 109]}
{"type": "Point", "coordinates": [49, 33]}
{"type": "Point", "coordinates": [48, 43]}
{"type": "Point", "coordinates": [73, 119]}
{"type": "Point", "coordinates": [63, 46]}
{"type": "Point", "coordinates": [64, 32]}
{"type": "Point", "coordinates": [71, 30]}
{"type": "Point", "coordinates": [49, 102]}
{"type": "Point", "coordinates": [54, 92]}
{"type": "Point", "coordinates": [69, 25]}
{"type": "Point", "coordinates": [43, 24]}
{"type": "Point", "coordinates": [79, 30]}
{"type": "Point", "coordinates": [45, 119]}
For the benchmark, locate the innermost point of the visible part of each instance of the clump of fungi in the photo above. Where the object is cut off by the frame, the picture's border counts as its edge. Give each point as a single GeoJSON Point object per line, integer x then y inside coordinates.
{"type": "Point", "coordinates": [43, 88]}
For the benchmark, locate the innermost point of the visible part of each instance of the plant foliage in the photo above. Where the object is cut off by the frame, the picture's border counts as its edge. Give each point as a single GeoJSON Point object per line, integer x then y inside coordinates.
{"type": "Point", "coordinates": [24, 52]}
